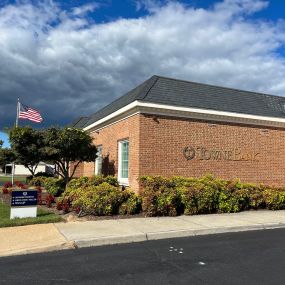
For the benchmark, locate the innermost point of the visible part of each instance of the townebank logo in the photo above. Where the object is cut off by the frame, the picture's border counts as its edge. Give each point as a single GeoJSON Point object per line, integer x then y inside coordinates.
{"type": "Point", "coordinates": [203, 153]}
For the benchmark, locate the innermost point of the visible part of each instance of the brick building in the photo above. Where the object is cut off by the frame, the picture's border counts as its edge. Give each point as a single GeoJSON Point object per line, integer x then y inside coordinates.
{"type": "Point", "coordinates": [174, 127]}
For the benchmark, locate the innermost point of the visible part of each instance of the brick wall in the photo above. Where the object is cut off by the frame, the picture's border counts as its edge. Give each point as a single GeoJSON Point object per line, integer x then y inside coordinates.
{"type": "Point", "coordinates": [157, 145]}
{"type": "Point", "coordinates": [217, 147]}
{"type": "Point", "coordinates": [109, 137]}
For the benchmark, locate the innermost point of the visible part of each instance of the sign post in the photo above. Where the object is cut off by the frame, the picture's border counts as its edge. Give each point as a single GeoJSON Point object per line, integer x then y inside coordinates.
{"type": "Point", "coordinates": [24, 204]}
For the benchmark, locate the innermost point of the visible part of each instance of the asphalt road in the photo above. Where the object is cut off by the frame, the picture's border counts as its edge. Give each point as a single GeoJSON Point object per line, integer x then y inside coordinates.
{"type": "Point", "coordinates": [237, 258]}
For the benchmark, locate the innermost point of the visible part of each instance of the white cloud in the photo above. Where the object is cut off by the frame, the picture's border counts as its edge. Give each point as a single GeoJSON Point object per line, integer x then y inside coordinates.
{"type": "Point", "coordinates": [82, 10]}
{"type": "Point", "coordinates": [66, 66]}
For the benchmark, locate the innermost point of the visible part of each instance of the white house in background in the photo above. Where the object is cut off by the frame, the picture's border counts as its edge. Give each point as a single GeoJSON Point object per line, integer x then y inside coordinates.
{"type": "Point", "coordinates": [22, 170]}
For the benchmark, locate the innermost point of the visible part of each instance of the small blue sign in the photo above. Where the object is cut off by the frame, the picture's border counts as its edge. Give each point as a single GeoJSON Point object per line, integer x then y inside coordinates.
{"type": "Point", "coordinates": [24, 198]}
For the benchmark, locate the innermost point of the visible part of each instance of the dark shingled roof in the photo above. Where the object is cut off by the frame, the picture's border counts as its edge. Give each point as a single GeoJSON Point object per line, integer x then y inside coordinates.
{"type": "Point", "coordinates": [79, 122]}
{"type": "Point", "coordinates": [168, 91]}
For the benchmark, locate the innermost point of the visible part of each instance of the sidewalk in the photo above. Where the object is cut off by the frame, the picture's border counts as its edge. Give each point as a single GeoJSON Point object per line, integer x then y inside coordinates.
{"type": "Point", "coordinates": [48, 237]}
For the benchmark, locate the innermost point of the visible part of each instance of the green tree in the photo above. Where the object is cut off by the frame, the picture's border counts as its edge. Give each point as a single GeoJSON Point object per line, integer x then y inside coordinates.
{"type": "Point", "coordinates": [67, 148]}
{"type": "Point", "coordinates": [6, 156]}
{"type": "Point", "coordinates": [27, 145]}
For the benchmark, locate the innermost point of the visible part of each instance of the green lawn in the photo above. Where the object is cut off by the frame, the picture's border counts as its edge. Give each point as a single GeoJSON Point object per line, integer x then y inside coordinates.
{"type": "Point", "coordinates": [4, 179]}
{"type": "Point", "coordinates": [42, 218]}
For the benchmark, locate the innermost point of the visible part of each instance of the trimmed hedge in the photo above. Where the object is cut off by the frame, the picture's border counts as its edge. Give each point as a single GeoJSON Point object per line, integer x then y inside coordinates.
{"type": "Point", "coordinates": [177, 195]}
{"type": "Point", "coordinates": [98, 196]}
{"type": "Point", "coordinates": [95, 180]}
{"type": "Point", "coordinates": [161, 196]}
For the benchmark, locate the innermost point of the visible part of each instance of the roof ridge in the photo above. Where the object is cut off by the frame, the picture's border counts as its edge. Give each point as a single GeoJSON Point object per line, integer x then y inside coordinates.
{"type": "Point", "coordinates": [217, 86]}
{"type": "Point", "coordinates": [152, 82]}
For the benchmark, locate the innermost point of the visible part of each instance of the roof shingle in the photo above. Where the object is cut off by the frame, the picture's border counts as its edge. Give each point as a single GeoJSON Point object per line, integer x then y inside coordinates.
{"type": "Point", "coordinates": [169, 91]}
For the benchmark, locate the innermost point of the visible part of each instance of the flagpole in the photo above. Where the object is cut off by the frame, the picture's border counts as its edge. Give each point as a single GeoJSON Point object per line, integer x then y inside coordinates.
{"type": "Point", "coordinates": [17, 119]}
{"type": "Point", "coordinates": [17, 122]}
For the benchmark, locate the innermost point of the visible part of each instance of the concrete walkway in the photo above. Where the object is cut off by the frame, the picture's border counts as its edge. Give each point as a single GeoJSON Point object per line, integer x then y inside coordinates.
{"type": "Point", "coordinates": [47, 237]}
{"type": "Point", "coordinates": [31, 239]}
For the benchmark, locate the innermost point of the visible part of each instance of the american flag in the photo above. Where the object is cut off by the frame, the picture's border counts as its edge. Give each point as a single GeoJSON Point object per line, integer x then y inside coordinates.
{"type": "Point", "coordinates": [29, 113]}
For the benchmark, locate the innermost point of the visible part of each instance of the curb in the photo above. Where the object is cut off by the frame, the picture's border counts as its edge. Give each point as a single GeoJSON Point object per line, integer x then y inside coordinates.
{"type": "Point", "coordinates": [170, 234]}
{"type": "Point", "coordinates": [94, 242]}
{"type": "Point", "coordinates": [110, 240]}
{"type": "Point", "coordinates": [62, 246]}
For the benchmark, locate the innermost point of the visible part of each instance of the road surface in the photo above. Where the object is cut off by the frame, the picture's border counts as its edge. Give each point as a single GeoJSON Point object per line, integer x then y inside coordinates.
{"type": "Point", "coordinates": [256, 257]}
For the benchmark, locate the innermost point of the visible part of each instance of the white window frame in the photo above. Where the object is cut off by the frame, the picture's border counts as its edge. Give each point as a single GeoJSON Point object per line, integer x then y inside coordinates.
{"type": "Point", "coordinates": [98, 160]}
{"type": "Point", "coordinates": [122, 181]}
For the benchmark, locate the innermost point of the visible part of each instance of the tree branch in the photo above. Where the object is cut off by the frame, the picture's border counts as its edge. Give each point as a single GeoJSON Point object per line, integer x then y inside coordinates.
{"type": "Point", "coordinates": [75, 167]}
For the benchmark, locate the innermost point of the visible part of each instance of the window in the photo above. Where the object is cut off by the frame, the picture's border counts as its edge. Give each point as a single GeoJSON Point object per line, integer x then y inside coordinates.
{"type": "Point", "coordinates": [123, 169]}
{"type": "Point", "coordinates": [98, 161]}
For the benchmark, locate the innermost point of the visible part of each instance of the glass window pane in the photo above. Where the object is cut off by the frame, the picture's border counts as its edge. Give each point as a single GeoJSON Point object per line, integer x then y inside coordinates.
{"type": "Point", "coordinates": [98, 162]}
{"type": "Point", "coordinates": [124, 163]}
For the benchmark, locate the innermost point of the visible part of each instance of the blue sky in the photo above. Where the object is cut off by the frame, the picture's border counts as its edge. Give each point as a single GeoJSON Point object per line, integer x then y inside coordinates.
{"type": "Point", "coordinates": [70, 58]}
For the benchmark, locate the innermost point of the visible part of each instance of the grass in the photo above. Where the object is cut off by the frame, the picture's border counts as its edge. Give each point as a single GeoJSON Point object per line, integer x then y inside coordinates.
{"type": "Point", "coordinates": [4, 179]}
{"type": "Point", "coordinates": [43, 217]}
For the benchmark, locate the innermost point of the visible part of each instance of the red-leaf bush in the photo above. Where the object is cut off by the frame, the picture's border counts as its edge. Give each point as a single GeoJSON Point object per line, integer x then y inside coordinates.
{"type": "Point", "coordinates": [49, 200]}
{"type": "Point", "coordinates": [21, 185]}
{"type": "Point", "coordinates": [5, 190]}
{"type": "Point", "coordinates": [40, 198]}
{"type": "Point", "coordinates": [7, 185]}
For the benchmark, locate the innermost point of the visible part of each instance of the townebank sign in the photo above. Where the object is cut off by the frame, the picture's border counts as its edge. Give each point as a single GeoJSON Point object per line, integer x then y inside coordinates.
{"type": "Point", "coordinates": [203, 153]}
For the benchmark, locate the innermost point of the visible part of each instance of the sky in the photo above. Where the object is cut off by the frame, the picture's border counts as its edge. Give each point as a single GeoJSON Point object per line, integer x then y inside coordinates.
{"type": "Point", "coordinates": [70, 58]}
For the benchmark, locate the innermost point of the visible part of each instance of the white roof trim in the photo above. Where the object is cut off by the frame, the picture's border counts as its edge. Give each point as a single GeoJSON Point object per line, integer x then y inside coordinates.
{"type": "Point", "coordinates": [153, 108]}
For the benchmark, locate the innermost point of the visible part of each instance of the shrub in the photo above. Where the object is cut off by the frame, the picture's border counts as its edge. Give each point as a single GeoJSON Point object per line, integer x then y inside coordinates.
{"type": "Point", "coordinates": [234, 198]}
{"type": "Point", "coordinates": [201, 196]}
{"type": "Point", "coordinates": [131, 204]}
{"type": "Point", "coordinates": [7, 185]}
{"type": "Point", "coordinates": [170, 196]}
{"type": "Point", "coordinates": [158, 199]}
{"type": "Point", "coordinates": [40, 199]}
{"type": "Point", "coordinates": [59, 203]}
{"type": "Point", "coordinates": [274, 198]}
{"type": "Point", "coordinates": [49, 200]}
{"type": "Point", "coordinates": [5, 190]}
{"type": "Point", "coordinates": [44, 174]}
{"type": "Point", "coordinates": [65, 206]}
{"type": "Point", "coordinates": [112, 180]}
{"type": "Point", "coordinates": [100, 200]}
{"type": "Point", "coordinates": [256, 197]}
{"type": "Point", "coordinates": [156, 182]}
{"type": "Point", "coordinates": [95, 180]}
{"type": "Point", "coordinates": [54, 186]}
{"type": "Point", "coordinates": [76, 183]}
{"type": "Point", "coordinates": [38, 174]}
{"type": "Point", "coordinates": [20, 185]}
{"type": "Point", "coordinates": [37, 181]}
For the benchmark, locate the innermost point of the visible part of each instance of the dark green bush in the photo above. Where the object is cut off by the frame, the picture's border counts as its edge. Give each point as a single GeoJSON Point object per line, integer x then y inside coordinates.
{"type": "Point", "coordinates": [38, 174]}
{"type": "Point", "coordinates": [37, 181]}
{"type": "Point", "coordinates": [54, 186]}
